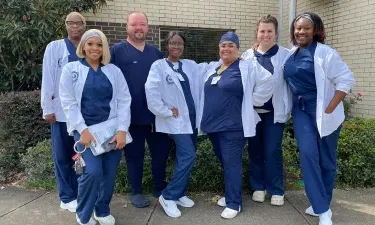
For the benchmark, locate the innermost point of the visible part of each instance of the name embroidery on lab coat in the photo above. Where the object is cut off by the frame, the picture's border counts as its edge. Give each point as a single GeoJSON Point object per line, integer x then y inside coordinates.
{"type": "Point", "coordinates": [169, 79]}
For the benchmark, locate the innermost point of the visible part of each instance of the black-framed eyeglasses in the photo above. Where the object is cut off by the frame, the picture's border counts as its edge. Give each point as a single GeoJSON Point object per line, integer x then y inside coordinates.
{"type": "Point", "coordinates": [176, 44]}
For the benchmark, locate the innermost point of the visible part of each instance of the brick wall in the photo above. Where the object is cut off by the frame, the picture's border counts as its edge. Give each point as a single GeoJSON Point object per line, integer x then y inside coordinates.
{"type": "Point", "coordinates": [285, 24]}
{"type": "Point", "coordinates": [116, 32]}
{"type": "Point", "coordinates": [239, 15]}
{"type": "Point", "coordinates": [350, 26]}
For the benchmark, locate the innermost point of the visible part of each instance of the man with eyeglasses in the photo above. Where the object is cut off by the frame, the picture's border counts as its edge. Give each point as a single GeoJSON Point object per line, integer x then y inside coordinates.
{"type": "Point", "coordinates": [57, 54]}
{"type": "Point", "coordinates": [134, 57]}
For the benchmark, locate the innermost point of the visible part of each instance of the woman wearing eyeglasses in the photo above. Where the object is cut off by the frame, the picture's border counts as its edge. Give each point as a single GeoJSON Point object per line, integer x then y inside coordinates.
{"type": "Point", "coordinates": [58, 53]}
{"type": "Point", "coordinates": [231, 90]}
{"type": "Point", "coordinates": [172, 92]}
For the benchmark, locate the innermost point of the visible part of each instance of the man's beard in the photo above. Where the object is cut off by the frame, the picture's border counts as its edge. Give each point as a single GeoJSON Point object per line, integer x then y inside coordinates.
{"type": "Point", "coordinates": [139, 38]}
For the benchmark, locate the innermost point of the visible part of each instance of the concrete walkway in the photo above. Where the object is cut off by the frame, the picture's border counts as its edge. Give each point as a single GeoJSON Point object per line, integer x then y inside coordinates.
{"type": "Point", "coordinates": [36, 207]}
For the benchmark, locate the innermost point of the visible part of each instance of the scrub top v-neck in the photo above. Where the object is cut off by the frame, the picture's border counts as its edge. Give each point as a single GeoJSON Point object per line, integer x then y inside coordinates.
{"type": "Point", "coordinates": [135, 65]}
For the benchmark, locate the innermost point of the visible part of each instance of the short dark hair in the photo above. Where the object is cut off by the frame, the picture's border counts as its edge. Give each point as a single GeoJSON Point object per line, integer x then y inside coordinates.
{"type": "Point", "coordinates": [170, 35]}
{"type": "Point", "coordinates": [319, 31]}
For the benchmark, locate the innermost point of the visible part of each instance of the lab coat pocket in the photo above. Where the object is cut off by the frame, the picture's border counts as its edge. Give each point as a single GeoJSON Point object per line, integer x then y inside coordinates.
{"type": "Point", "coordinates": [328, 122]}
{"type": "Point", "coordinates": [173, 124]}
{"type": "Point", "coordinates": [56, 104]}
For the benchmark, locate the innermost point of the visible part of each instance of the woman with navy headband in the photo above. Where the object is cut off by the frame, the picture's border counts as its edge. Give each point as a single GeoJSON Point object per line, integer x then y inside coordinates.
{"type": "Point", "coordinates": [232, 87]}
{"type": "Point", "coordinates": [93, 91]}
{"type": "Point", "coordinates": [319, 80]}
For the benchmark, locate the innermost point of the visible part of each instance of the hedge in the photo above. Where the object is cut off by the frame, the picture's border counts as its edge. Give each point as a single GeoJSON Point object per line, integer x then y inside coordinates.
{"type": "Point", "coordinates": [356, 160]}
{"type": "Point", "coordinates": [21, 126]}
{"type": "Point", "coordinates": [20, 120]}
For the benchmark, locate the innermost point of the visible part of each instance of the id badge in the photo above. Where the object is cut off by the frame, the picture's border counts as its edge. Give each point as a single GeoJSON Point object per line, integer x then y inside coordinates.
{"type": "Point", "coordinates": [180, 77]}
{"type": "Point", "coordinates": [215, 80]}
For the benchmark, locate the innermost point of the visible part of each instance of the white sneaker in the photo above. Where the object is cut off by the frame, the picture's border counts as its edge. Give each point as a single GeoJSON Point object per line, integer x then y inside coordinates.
{"type": "Point", "coordinates": [107, 220]}
{"type": "Point", "coordinates": [310, 211]}
{"type": "Point", "coordinates": [185, 202]}
{"type": "Point", "coordinates": [221, 202]}
{"type": "Point", "coordinates": [170, 207]}
{"type": "Point", "coordinates": [230, 213]}
{"type": "Point", "coordinates": [277, 200]}
{"type": "Point", "coordinates": [325, 218]}
{"type": "Point", "coordinates": [71, 206]}
{"type": "Point", "coordinates": [91, 221]}
{"type": "Point", "coordinates": [259, 196]}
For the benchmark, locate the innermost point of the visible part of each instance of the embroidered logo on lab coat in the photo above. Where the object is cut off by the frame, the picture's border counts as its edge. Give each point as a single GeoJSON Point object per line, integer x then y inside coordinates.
{"type": "Point", "coordinates": [75, 76]}
{"type": "Point", "coordinates": [169, 79]}
{"type": "Point", "coordinates": [59, 63]}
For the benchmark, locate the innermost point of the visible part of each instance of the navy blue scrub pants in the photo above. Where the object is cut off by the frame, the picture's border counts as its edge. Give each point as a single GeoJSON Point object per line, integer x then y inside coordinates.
{"type": "Point", "coordinates": [159, 146]}
{"type": "Point", "coordinates": [266, 157]}
{"type": "Point", "coordinates": [317, 157]}
{"type": "Point", "coordinates": [229, 146]}
{"type": "Point", "coordinates": [97, 183]}
{"type": "Point", "coordinates": [62, 147]}
{"type": "Point", "coordinates": [185, 158]}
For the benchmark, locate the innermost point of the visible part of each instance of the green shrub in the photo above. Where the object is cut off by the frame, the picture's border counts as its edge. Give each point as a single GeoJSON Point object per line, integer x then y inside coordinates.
{"type": "Point", "coordinates": [207, 174]}
{"type": "Point", "coordinates": [21, 127]}
{"type": "Point", "coordinates": [292, 170]}
{"type": "Point", "coordinates": [350, 101]}
{"type": "Point", "coordinates": [356, 153]}
{"type": "Point", "coordinates": [27, 26]}
{"type": "Point", "coordinates": [356, 160]}
{"type": "Point", "coordinates": [38, 164]}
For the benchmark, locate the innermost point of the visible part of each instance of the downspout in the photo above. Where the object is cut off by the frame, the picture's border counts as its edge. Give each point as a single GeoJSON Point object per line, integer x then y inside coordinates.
{"type": "Point", "coordinates": [292, 14]}
{"type": "Point", "coordinates": [280, 31]}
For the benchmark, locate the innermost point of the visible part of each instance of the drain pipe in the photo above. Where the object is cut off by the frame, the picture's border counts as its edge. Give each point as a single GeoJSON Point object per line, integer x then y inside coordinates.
{"type": "Point", "coordinates": [292, 14]}
{"type": "Point", "coordinates": [280, 31]}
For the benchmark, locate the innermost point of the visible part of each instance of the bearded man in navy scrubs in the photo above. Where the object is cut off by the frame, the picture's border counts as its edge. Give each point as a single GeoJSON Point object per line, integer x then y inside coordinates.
{"type": "Point", "coordinates": [134, 57]}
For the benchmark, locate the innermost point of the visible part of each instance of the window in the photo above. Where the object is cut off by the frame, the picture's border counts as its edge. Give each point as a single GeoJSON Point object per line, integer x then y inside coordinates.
{"type": "Point", "coordinates": [202, 45]}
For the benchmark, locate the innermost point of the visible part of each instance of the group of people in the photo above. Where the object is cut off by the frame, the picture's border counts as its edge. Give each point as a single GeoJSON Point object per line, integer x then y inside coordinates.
{"type": "Point", "coordinates": [235, 100]}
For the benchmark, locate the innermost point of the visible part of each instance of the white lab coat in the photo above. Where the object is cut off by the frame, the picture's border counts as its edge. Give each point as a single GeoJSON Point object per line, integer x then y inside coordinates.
{"type": "Point", "coordinates": [281, 94]}
{"type": "Point", "coordinates": [164, 91]}
{"type": "Point", "coordinates": [55, 58]}
{"type": "Point", "coordinates": [258, 86]}
{"type": "Point", "coordinates": [72, 82]}
{"type": "Point", "coordinates": [331, 74]}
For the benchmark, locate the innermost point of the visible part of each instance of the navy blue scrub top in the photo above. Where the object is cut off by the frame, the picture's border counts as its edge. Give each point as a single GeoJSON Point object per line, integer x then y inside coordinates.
{"type": "Point", "coordinates": [72, 50]}
{"type": "Point", "coordinates": [265, 61]}
{"type": "Point", "coordinates": [187, 92]}
{"type": "Point", "coordinates": [300, 75]}
{"type": "Point", "coordinates": [135, 65]}
{"type": "Point", "coordinates": [223, 101]}
{"type": "Point", "coordinates": [96, 96]}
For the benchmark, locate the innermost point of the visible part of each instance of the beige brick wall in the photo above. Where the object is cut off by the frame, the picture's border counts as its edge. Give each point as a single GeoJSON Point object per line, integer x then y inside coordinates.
{"type": "Point", "coordinates": [285, 24]}
{"type": "Point", "coordinates": [350, 26]}
{"type": "Point", "coordinates": [240, 15]}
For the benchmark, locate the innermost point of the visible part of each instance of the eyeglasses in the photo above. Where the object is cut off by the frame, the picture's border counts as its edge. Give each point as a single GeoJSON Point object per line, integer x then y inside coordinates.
{"type": "Point", "coordinates": [229, 45]}
{"type": "Point", "coordinates": [72, 23]}
{"type": "Point", "coordinates": [176, 44]}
